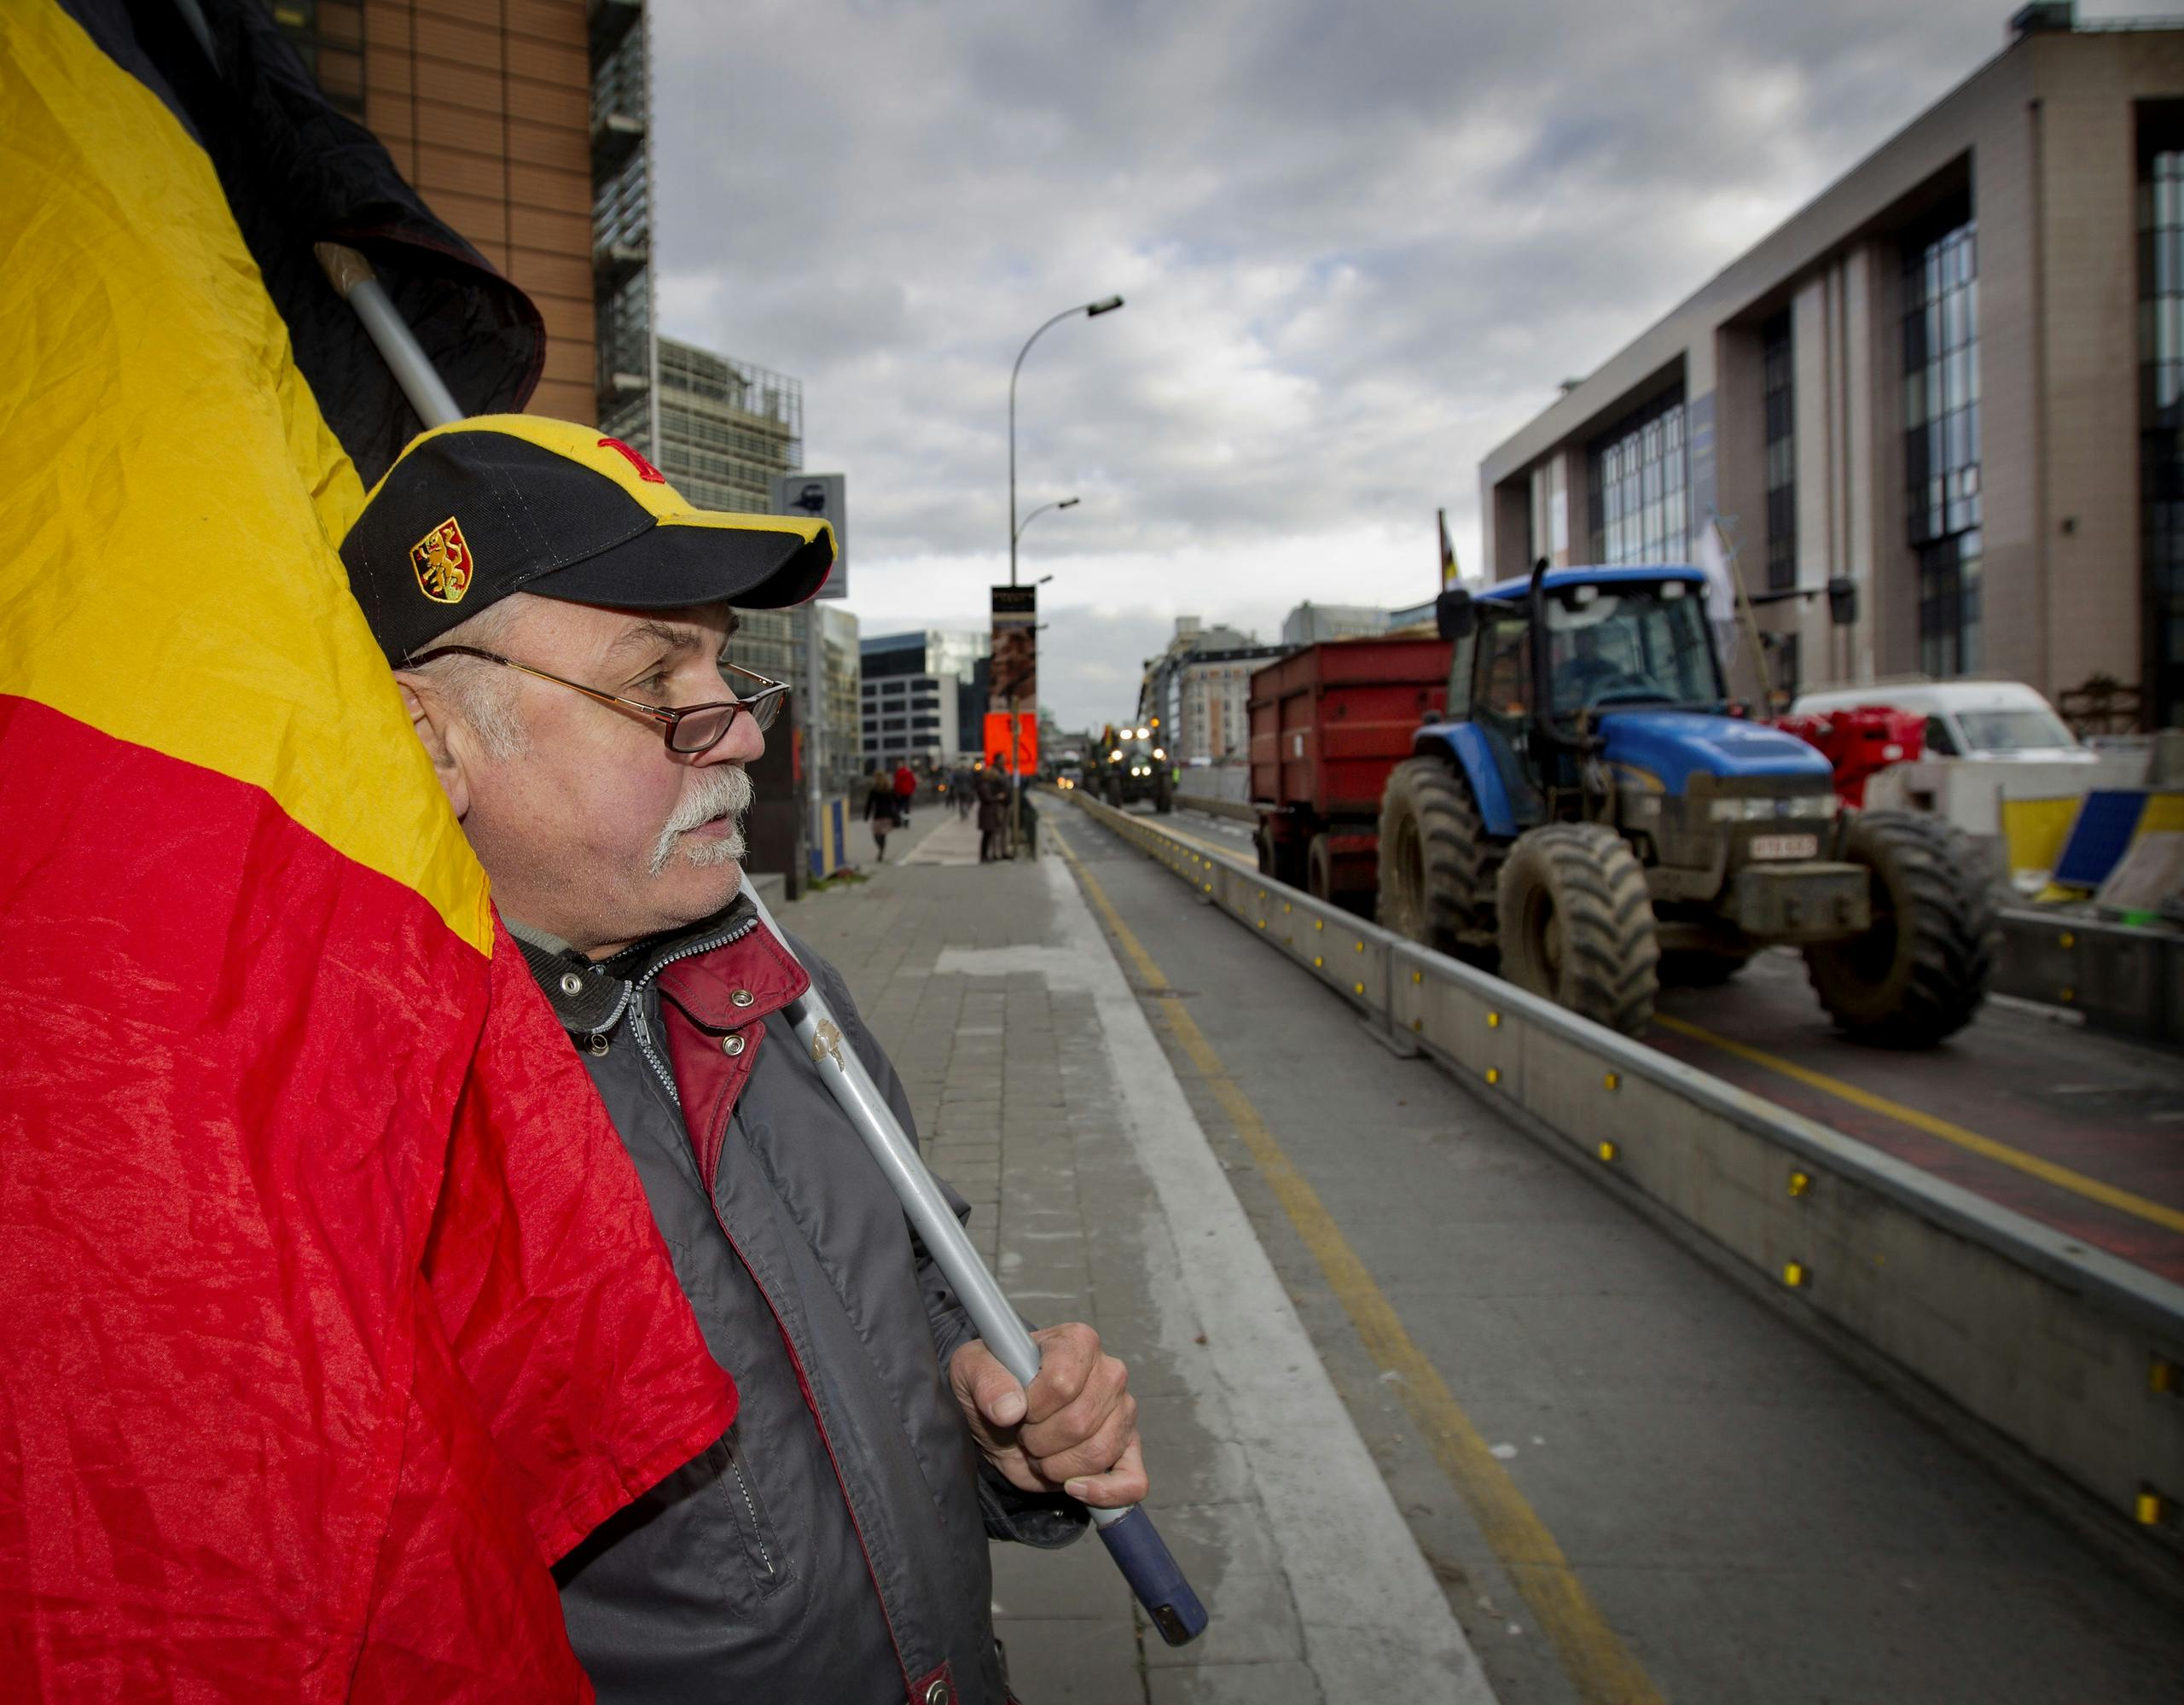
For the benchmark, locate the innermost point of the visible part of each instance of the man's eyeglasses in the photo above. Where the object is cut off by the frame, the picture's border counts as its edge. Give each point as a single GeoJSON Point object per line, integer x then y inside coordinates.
{"type": "Point", "coordinates": [689, 730]}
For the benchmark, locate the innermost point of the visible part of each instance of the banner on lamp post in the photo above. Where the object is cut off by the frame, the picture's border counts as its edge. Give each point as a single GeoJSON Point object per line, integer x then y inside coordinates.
{"type": "Point", "coordinates": [1015, 675]}
{"type": "Point", "coordinates": [1016, 756]}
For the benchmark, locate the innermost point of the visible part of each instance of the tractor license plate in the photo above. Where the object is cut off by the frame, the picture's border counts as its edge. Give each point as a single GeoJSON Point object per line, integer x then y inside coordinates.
{"type": "Point", "coordinates": [1785, 846]}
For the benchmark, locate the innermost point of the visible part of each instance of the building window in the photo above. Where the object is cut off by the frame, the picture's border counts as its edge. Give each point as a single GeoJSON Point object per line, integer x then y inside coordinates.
{"type": "Point", "coordinates": [2161, 406]}
{"type": "Point", "coordinates": [1941, 439]}
{"type": "Point", "coordinates": [1781, 409]}
{"type": "Point", "coordinates": [1640, 486]}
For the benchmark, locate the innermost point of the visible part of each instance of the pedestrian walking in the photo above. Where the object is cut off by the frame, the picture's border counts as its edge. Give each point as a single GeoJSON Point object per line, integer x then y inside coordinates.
{"type": "Point", "coordinates": [879, 810]}
{"type": "Point", "coordinates": [993, 815]}
{"type": "Point", "coordinates": [906, 788]}
{"type": "Point", "coordinates": [963, 789]}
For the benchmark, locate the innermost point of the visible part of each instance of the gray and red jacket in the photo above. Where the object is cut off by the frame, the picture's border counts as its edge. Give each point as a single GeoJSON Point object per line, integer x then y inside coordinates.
{"type": "Point", "coordinates": [831, 1548]}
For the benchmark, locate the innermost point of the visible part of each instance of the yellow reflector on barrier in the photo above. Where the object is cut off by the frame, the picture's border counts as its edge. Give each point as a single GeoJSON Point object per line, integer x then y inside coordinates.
{"type": "Point", "coordinates": [1613, 1080]}
{"type": "Point", "coordinates": [2151, 1508]}
{"type": "Point", "coordinates": [1609, 1151]}
{"type": "Point", "coordinates": [1794, 1274]}
{"type": "Point", "coordinates": [1493, 1020]}
{"type": "Point", "coordinates": [1800, 1183]}
{"type": "Point", "coordinates": [1494, 1074]}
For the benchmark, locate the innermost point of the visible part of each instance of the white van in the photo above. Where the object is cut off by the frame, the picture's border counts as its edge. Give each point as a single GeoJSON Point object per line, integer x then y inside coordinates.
{"type": "Point", "coordinates": [2004, 719]}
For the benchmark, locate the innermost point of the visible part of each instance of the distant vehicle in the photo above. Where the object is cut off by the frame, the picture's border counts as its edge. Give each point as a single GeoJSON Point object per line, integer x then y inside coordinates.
{"type": "Point", "coordinates": [2004, 719]}
{"type": "Point", "coordinates": [1587, 815]}
{"type": "Point", "coordinates": [1134, 765]}
{"type": "Point", "coordinates": [1069, 777]}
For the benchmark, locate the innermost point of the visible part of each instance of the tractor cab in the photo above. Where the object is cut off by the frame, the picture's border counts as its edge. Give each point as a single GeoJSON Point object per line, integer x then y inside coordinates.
{"type": "Point", "coordinates": [1633, 698]}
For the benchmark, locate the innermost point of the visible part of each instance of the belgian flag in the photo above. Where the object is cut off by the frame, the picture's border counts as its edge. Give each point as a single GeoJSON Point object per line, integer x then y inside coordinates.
{"type": "Point", "coordinates": [330, 1308]}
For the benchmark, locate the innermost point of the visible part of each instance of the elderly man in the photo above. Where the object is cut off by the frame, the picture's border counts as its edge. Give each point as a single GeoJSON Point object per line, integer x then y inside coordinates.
{"type": "Point", "coordinates": [558, 619]}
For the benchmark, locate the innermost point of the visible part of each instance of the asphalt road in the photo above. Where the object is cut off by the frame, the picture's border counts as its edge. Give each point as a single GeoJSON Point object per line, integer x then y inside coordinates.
{"type": "Point", "coordinates": [1634, 1478]}
{"type": "Point", "coordinates": [2082, 1132]}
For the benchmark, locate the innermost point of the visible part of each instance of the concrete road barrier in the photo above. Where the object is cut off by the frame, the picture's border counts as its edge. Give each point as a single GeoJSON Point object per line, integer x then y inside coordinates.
{"type": "Point", "coordinates": [2066, 1357]}
{"type": "Point", "coordinates": [2123, 979]}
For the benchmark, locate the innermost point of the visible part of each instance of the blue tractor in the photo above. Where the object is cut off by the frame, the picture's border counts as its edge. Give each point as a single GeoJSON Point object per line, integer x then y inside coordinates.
{"type": "Point", "coordinates": [1592, 820]}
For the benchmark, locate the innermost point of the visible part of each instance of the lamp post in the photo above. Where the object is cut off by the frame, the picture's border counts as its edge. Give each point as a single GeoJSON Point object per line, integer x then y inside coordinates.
{"type": "Point", "coordinates": [1017, 532]}
{"type": "Point", "coordinates": [1106, 305]}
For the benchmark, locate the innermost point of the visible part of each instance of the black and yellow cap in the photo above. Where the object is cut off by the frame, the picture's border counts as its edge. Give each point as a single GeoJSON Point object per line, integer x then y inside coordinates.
{"type": "Point", "coordinates": [501, 503]}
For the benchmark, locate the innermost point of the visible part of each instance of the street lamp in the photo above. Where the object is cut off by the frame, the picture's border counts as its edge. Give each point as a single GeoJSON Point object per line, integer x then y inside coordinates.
{"type": "Point", "coordinates": [1066, 504]}
{"type": "Point", "coordinates": [1091, 311]}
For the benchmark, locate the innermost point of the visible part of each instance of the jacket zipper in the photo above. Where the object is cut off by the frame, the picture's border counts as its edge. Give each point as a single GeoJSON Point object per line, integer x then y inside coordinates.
{"type": "Point", "coordinates": [811, 1402]}
{"type": "Point", "coordinates": [632, 999]}
{"type": "Point", "coordinates": [750, 1504]}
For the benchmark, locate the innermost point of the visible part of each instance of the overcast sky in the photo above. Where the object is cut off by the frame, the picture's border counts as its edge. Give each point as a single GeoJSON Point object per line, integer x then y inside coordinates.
{"type": "Point", "coordinates": [1360, 243]}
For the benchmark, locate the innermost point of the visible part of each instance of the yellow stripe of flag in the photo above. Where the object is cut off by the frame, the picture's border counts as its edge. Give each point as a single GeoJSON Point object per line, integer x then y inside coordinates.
{"type": "Point", "coordinates": [175, 583]}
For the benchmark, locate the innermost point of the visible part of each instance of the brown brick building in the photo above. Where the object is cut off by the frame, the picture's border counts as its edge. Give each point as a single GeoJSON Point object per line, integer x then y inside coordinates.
{"type": "Point", "coordinates": [488, 108]}
{"type": "Point", "coordinates": [1956, 377]}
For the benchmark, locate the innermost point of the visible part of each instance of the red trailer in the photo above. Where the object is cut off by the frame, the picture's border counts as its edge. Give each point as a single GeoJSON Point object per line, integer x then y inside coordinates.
{"type": "Point", "coordinates": [1327, 725]}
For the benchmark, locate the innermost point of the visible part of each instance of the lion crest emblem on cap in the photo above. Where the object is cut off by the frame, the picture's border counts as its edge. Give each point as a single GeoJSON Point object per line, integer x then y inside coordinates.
{"type": "Point", "coordinates": [442, 562]}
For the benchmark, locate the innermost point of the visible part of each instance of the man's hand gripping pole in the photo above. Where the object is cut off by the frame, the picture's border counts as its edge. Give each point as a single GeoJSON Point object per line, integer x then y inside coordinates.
{"type": "Point", "coordinates": [1129, 1535]}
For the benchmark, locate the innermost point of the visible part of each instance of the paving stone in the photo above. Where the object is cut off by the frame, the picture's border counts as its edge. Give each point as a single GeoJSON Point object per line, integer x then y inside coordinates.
{"type": "Point", "coordinates": [1052, 1661]}
{"type": "Point", "coordinates": [1237, 1684]}
{"type": "Point", "coordinates": [1253, 1621]}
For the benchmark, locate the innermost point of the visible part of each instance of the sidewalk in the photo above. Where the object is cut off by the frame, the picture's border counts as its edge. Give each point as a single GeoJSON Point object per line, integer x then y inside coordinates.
{"type": "Point", "coordinates": [1042, 1094]}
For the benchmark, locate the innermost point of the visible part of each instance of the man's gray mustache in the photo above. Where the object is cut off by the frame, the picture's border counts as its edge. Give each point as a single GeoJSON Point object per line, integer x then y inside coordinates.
{"type": "Point", "coordinates": [722, 791]}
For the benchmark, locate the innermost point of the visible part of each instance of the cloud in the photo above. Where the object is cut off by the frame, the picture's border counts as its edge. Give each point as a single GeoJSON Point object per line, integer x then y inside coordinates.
{"type": "Point", "coordinates": [1360, 244]}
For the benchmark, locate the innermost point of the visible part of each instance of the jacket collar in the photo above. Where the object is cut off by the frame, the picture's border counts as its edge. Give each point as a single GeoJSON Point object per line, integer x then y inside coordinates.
{"type": "Point", "coordinates": [589, 998]}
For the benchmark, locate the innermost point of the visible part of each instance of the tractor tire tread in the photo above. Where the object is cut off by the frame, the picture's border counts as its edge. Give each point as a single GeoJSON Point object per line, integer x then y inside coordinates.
{"type": "Point", "coordinates": [1610, 946]}
{"type": "Point", "coordinates": [1457, 905]}
{"type": "Point", "coordinates": [1936, 987]}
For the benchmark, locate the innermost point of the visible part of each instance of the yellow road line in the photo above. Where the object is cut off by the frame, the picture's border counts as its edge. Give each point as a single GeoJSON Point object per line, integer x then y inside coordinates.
{"type": "Point", "coordinates": [1191, 839]}
{"type": "Point", "coordinates": [2108, 1196]}
{"type": "Point", "coordinates": [1599, 1668]}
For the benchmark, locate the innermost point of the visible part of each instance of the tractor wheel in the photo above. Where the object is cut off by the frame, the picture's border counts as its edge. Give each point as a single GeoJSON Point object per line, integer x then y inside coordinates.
{"type": "Point", "coordinates": [1111, 789]}
{"type": "Point", "coordinates": [1577, 923]}
{"type": "Point", "coordinates": [1436, 874]}
{"type": "Point", "coordinates": [1699, 967]}
{"type": "Point", "coordinates": [1920, 972]}
{"type": "Point", "coordinates": [1164, 794]}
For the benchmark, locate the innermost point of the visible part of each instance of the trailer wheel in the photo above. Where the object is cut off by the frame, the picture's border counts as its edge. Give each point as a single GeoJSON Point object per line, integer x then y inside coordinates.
{"type": "Point", "coordinates": [1577, 924]}
{"type": "Point", "coordinates": [1436, 874]}
{"type": "Point", "coordinates": [1919, 974]}
{"type": "Point", "coordinates": [1319, 869]}
{"type": "Point", "coordinates": [1283, 860]}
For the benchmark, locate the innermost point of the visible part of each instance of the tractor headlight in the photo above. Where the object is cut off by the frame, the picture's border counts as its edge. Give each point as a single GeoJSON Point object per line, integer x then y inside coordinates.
{"type": "Point", "coordinates": [1766, 808]}
{"type": "Point", "coordinates": [1158, 753]}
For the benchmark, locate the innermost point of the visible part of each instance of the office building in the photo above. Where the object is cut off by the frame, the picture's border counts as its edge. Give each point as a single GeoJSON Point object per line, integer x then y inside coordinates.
{"type": "Point", "coordinates": [507, 118]}
{"type": "Point", "coordinates": [914, 689]}
{"type": "Point", "coordinates": [1199, 689]}
{"type": "Point", "coordinates": [1311, 623]}
{"type": "Point", "coordinates": [1955, 378]}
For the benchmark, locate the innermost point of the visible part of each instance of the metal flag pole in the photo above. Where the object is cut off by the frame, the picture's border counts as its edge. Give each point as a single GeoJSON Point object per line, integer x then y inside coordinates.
{"type": "Point", "coordinates": [1128, 1533]}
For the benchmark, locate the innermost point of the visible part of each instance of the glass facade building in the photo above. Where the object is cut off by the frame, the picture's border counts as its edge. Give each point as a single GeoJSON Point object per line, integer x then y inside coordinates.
{"type": "Point", "coordinates": [1640, 486]}
{"type": "Point", "coordinates": [1941, 437]}
{"type": "Point", "coordinates": [2161, 406]}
